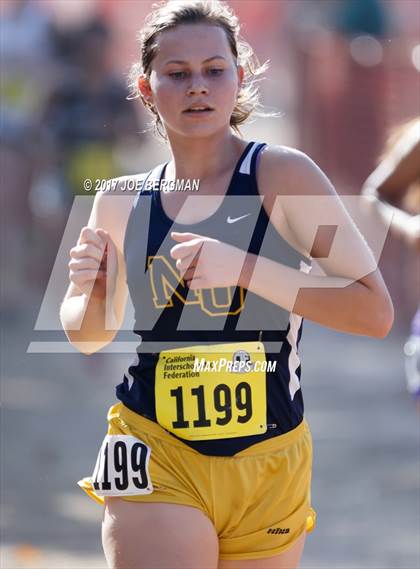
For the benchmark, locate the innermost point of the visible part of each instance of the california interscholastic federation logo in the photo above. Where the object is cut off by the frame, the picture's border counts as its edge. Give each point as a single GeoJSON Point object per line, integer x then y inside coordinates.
{"type": "Point", "coordinates": [242, 361]}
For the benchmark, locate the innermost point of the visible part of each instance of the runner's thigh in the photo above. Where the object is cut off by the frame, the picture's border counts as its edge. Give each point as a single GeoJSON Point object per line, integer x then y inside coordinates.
{"type": "Point", "coordinates": [290, 559]}
{"type": "Point", "coordinates": [139, 535]}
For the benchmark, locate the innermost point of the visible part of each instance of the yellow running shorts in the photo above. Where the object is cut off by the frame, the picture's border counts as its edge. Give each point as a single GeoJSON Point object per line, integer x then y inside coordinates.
{"type": "Point", "coordinates": [258, 500]}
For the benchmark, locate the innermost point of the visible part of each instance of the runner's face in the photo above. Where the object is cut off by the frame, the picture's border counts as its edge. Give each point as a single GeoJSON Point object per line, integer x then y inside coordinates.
{"type": "Point", "coordinates": [194, 65]}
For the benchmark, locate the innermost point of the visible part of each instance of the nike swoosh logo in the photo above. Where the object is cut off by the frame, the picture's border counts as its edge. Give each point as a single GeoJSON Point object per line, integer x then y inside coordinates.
{"type": "Point", "coordinates": [235, 219]}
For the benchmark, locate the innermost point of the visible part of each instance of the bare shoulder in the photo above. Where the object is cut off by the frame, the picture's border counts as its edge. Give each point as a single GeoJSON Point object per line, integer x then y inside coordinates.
{"type": "Point", "coordinates": [284, 170]}
{"type": "Point", "coordinates": [113, 204]}
{"type": "Point", "coordinates": [285, 173]}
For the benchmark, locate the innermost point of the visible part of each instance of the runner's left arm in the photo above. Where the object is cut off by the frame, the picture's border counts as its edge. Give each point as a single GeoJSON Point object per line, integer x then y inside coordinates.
{"type": "Point", "coordinates": [348, 293]}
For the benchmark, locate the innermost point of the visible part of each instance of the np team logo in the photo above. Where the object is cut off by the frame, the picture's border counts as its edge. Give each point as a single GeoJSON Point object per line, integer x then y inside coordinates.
{"type": "Point", "coordinates": [164, 280]}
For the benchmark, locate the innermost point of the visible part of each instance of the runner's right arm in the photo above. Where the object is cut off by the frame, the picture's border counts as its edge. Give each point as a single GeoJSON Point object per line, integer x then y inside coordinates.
{"type": "Point", "coordinates": [94, 305]}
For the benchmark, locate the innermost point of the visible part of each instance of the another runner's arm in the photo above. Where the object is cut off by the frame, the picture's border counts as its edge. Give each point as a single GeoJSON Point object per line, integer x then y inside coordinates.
{"type": "Point", "coordinates": [400, 168]}
{"type": "Point", "coordinates": [390, 181]}
{"type": "Point", "coordinates": [86, 320]}
{"type": "Point", "coordinates": [351, 296]}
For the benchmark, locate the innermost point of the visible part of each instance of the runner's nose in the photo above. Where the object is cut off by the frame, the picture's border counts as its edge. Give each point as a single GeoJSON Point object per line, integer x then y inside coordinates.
{"type": "Point", "coordinates": [197, 85]}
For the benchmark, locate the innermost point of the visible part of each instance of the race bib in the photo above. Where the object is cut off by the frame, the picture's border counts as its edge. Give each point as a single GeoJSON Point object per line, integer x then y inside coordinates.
{"type": "Point", "coordinates": [122, 467]}
{"type": "Point", "coordinates": [212, 392]}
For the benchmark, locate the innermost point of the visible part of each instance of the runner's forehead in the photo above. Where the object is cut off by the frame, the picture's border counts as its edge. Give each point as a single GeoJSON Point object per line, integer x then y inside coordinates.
{"type": "Point", "coordinates": [193, 43]}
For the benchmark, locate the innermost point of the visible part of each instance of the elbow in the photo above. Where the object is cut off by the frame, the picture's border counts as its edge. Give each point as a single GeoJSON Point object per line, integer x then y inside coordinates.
{"type": "Point", "coordinates": [89, 348]}
{"type": "Point", "coordinates": [82, 348]}
{"type": "Point", "coordinates": [382, 320]}
{"type": "Point", "coordinates": [85, 347]}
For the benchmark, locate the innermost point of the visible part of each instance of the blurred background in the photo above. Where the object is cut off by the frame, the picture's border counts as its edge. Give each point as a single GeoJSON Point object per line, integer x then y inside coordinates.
{"type": "Point", "coordinates": [344, 74]}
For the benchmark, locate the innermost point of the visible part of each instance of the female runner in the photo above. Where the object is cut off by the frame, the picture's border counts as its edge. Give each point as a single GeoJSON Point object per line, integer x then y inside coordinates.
{"type": "Point", "coordinates": [207, 460]}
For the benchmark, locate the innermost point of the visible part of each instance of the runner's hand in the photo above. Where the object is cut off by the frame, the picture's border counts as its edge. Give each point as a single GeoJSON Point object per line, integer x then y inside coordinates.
{"type": "Point", "coordinates": [204, 262]}
{"type": "Point", "coordinates": [93, 261]}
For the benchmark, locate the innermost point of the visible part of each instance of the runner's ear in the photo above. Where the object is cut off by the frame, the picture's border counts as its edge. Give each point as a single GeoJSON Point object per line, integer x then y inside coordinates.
{"type": "Point", "coordinates": [241, 73]}
{"type": "Point", "coordinates": [144, 88]}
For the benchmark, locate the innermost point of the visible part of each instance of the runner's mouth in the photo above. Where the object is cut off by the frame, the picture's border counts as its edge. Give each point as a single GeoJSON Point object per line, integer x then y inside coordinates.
{"type": "Point", "coordinates": [198, 110]}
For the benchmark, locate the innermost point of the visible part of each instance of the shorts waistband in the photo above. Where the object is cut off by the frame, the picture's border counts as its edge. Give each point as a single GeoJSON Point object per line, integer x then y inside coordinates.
{"type": "Point", "coordinates": [276, 443]}
{"type": "Point", "coordinates": [122, 413]}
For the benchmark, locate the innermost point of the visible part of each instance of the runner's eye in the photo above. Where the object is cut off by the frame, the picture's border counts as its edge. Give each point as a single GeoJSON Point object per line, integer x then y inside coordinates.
{"type": "Point", "coordinates": [177, 75]}
{"type": "Point", "coordinates": [215, 71]}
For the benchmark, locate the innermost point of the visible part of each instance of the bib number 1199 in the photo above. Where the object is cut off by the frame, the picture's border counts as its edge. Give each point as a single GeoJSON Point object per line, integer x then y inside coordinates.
{"type": "Point", "coordinates": [222, 402]}
{"type": "Point", "coordinates": [122, 467]}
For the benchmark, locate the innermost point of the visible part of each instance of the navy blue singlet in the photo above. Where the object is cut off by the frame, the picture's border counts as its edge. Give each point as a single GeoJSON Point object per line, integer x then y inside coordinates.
{"type": "Point", "coordinates": [167, 311]}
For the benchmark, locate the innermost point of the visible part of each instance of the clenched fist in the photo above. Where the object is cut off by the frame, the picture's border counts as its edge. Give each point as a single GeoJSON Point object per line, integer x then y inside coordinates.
{"type": "Point", "coordinates": [93, 263]}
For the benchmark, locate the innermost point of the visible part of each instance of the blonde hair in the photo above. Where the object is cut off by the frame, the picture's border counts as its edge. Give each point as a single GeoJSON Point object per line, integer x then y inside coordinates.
{"type": "Point", "coordinates": [169, 14]}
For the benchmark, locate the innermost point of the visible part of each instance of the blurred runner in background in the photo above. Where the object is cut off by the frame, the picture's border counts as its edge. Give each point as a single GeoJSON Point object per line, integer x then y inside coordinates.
{"type": "Point", "coordinates": [25, 72]}
{"type": "Point", "coordinates": [85, 129]}
{"type": "Point", "coordinates": [396, 185]}
{"type": "Point", "coordinates": [87, 114]}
